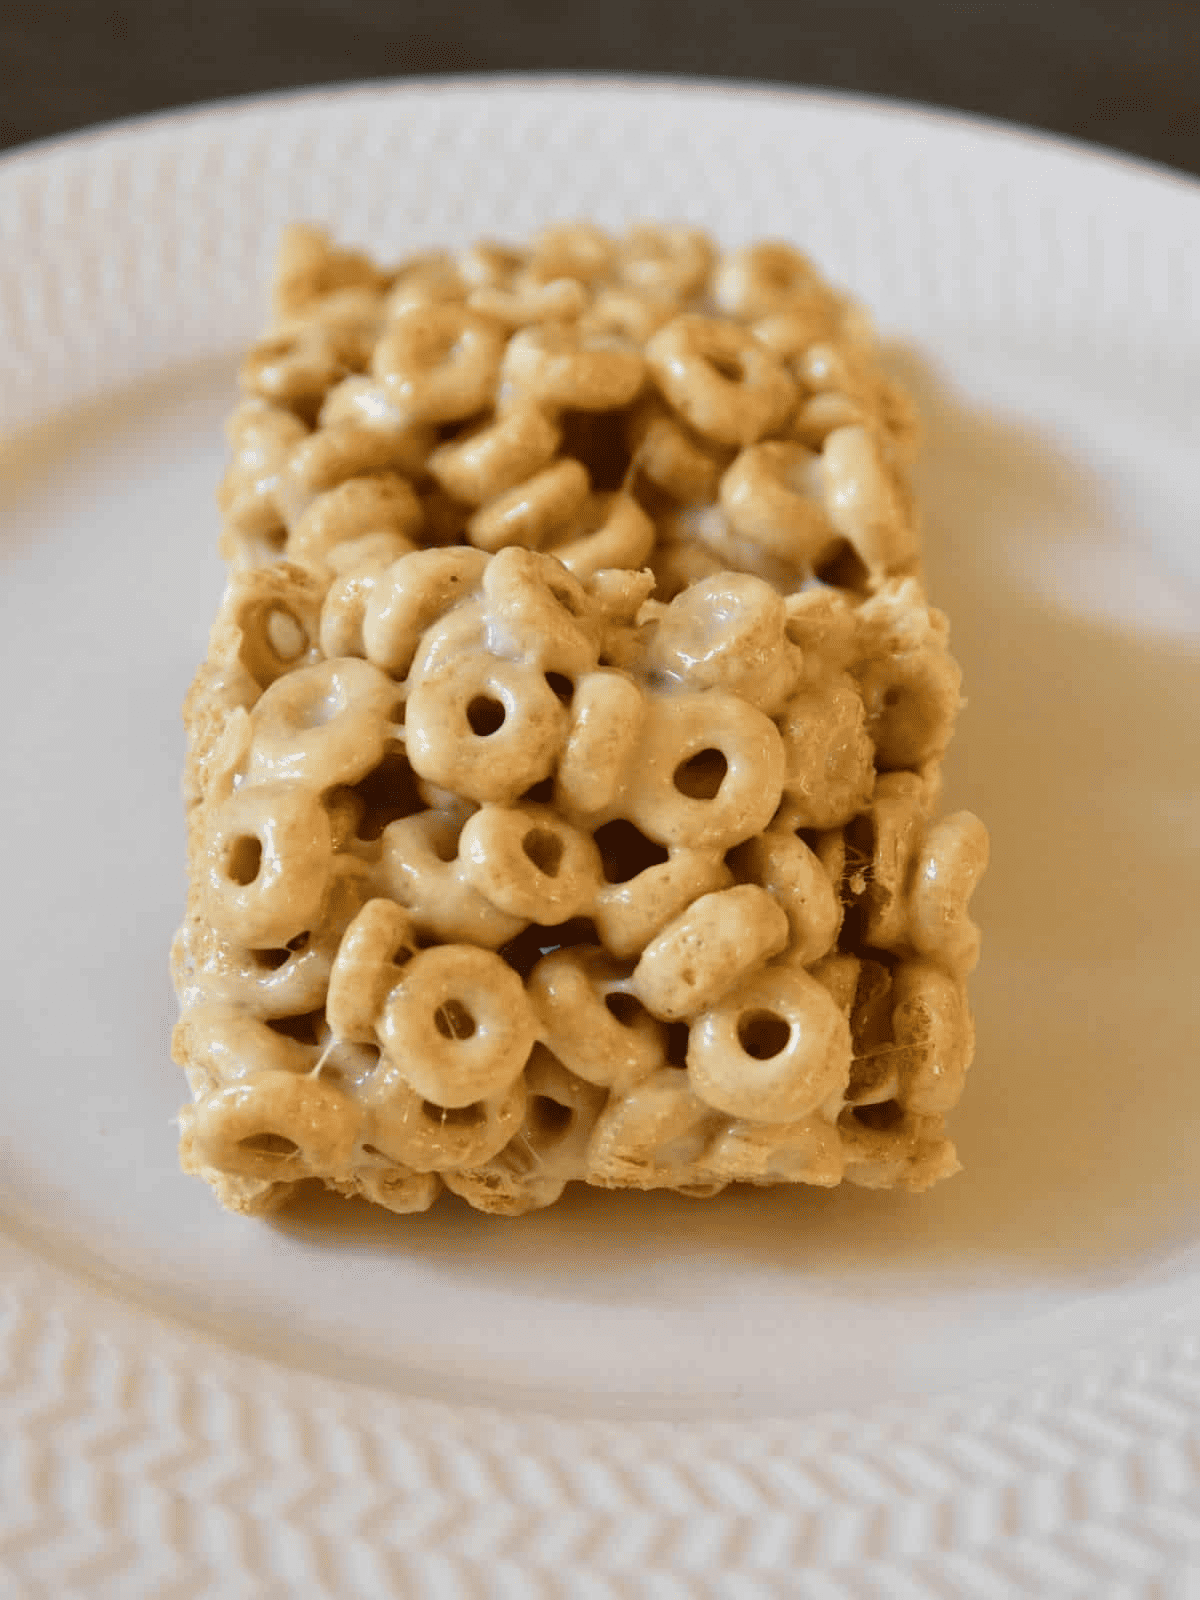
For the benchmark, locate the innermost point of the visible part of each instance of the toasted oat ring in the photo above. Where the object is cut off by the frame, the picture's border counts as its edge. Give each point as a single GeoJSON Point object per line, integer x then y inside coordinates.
{"type": "Point", "coordinates": [690, 358]}
{"type": "Point", "coordinates": [218, 1044]}
{"type": "Point", "coordinates": [378, 502]}
{"type": "Point", "coordinates": [325, 724]}
{"type": "Point", "coordinates": [276, 1125]}
{"type": "Point", "coordinates": [863, 501]}
{"type": "Point", "coordinates": [579, 250]}
{"type": "Point", "coordinates": [457, 1027]}
{"type": "Point", "coordinates": [654, 1136]}
{"type": "Point", "coordinates": [421, 871]}
{"type": "Point", "coordinates": [484, 728]}
{"type": "Point", "coordinates": [496, 457]}
{"type": "Point", "coordinates": [538, 612]}
{"type": "Point", "coordinates": [773, 1050]}
{"type": "Point", "coordinates": [440, 362]}
{"type": "Point", "coordinates": [397, 1188]}
{"type": "Point", "coordinates": [268, 860]}
{"type": "Point", "coordinates": [709, 772]}
{"type": "Point", "coordinates": [952, 859]}
{"type": "Point", "coordinates": [912, 701]}
{"type": "Point", "coordinates": [405, 1126]}
{"type": "Point", "coordinates": [626, 314]}
{"type": "Point", "coordinates": [716, 943]}
{"type": "Point", "coordinates": [529, 513]}
{"type": "Point", "coordinates": [830, 770]}
{"type": "Point", "coordinates": [372, 953]}
{"type": "Point", "coordinates": [672, 456]}
{"type": "Point", "coordinates": [671, 261]}
{"type": "Point", "coordinates": [285, 982]}
{"type": "Point", "coordinates": [607, 711]}
{"type": "Point", "coordinates": [727, 632]}
{"type": "Point", "coordinates": [561, 368]}
{"type": "Point", "coordinates": [524, 303]}
{"type": "Point", "coordinates": [611, 530]}
{"type": "Point", "coordinates": [591, 1020]}
{"type": "Point", "coordinates": [771, 494]}
{"type": "Point", "coordinates": [413, 593]}
{"type": "Point", "coordinates": [763, 278]}
{"type": "Point", "coordinates": [529, 863]}
{"type": "Point", "coordinates": [934, 1029]}
{"type": "Point", "coordinates": [783, 864]}
{"type": "Point", "coordinates": [628, 915]}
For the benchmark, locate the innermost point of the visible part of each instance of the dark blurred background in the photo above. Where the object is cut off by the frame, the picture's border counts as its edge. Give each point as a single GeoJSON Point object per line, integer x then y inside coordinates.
{"type": "Point", "coordinates": [1122, 73]}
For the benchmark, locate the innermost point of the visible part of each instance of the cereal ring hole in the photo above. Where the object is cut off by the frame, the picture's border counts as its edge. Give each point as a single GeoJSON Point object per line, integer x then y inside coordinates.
{"type": "Point", "coordinates": [544, 849]}
{"type": "Point", "coordinates": [726, 367]}
{"type": "Point", "coordinates": [244, 860]}
{"type": "Point", "coordinates": [548, 1118]}
{"type": "Point", "coordinates": [627, 1008]}
{"type": "Point", "coordinates": [453, 1021]}
{"type": "Point", "coordinates": [677, 1045]}
{"type": "Point", "coordinates": [305, 1029]}
{"type": "Point", "coordinates": [539, 794]}
{"type": "Point", "coordinates": [486, 715]}
{"type": "Point", "coordinates": [844, 568]}
{"type": "Point", "coordinates": [269, 1144]}
{"type": "Point", "coordinates": [880, 1118]}
{"type": "Point", "coordinates": [700, 777]}
{"type": "Point", "coordinates": [271, 960]}
{"type": "Point", "coordinates": [561, 686]}
{"type": "Point", "coordinates": [523, 952]}
{"type": "Point", "coordinates": [762, 1034]}
{"type": "Point", "coordinates": [285, 635]}
{"type": "Point", "coordinates": [455, 1116]}
{"type": "Point", "coordinates": [625, 851]}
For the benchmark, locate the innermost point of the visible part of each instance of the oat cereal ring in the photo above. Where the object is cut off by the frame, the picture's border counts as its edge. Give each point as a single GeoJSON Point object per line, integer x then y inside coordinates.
{"type": "Point", "coordinates": [218, 1044]}
{"type": "Point", "coordinates": [690, 359]}
{"type": "Point", "coordinates": [952, 859]}
{"type": "Point", "coordinates": [344, 612]}
{"type": "Point", "coordinates": [373, 951]}
{"type": "Point", "coordinates": [577, 250]}
{"type": "Point", "coordinates": [420, 870]}
{"type": "Point", "coordinates": [425, 281]}
{"type": "Point", "coordinates": [539, 612]}
{"type": "Point", "coordinates": [308, 268]}
{"type": "Point", "coordinates": [458, 632]}
{"type": "Point", "coordinates": [912, 700]}
{"type": "Point", "coordinates": [785, 866]}
{"type": "Point", "coordinates": [709, 772]}
{"type": "Point", "coordinates": [397, 1189]}
{"type": "Point", "coordinates": [560, 1117]}
{"type": "Point", "coordinates": [716, 943]}
{"type": "Point", "coordinates": [457, 1027]}
{"type": "Point", "coordinates": [887, 1147]}
{"type": "Point", "coordinates": [560, 367]}
{"type": "Point", "coordinates": [774, 1050]}
{"type": "Point", "coordinates": [522, 304]}
{"type": "Point", "coordinates": [670, 456]}
{"type": "Point", "coordinates": [368, 405]}
{"type": "Point", "coordinates": [267, 858]}
{"type": "Point", "coordinates": [485, 728]}
{"type": "Point", "coordinates": [655, 1136]}
{"type": "Point", "coordinates": [269, 623]}
{"type": "Point", "coordinates": [377, 502]}
{"type": "Point", "coordinates": [294, 369]}
{"type": "Point", "coordinates": [607, 711]}
{"type": "Point", "coordinates": [863, 501]}
{"type": "Point", "coordinates": [500, 1192]}
{"type": "Point", "coordinates": [404, 1127]}
{"type": "Point", "coordinates": [727, 632]}
{"type": "Point", "coordinates": [889, 836]}
{"type": "Point", "coordinates": [488, 461]}
{"type": "Point", "coordinates": [830, 771]}
{"type": "Point", "coordinates": [262, 438]}
{"type": "Point", "coordinates": [625, 314]}
{"type": "Point", "coordinates": [668, 261]}
{"type": "Point", "coordinates": [488, 265]}
{"type": "Point", "coordinates": [805, 1151]}
{"type": "Point", "coordinates": [610, 531]}
{"type": "Point", "coordinates": [763, 278]}
{"type": "Point", "coordinates": [935, 1033]}
{"type": "Point", "coordinates": [328, 458]}
{"type": "Point", "coordinates": [440, 362]}
{"type": "Point", "coordinates": [771, 495]}
{"type": "Point", "coordinates": [590, 1019]}
{"type": "Point", "coordinates": [275, 1125]}
{"type": "Point", "coordinates": [322, 725]}
{"type": "Point", "coordinates": [291, 980]}
{"type": "Point", "coordinates": [627, 914]}
{"type": "Point", "coordinates": [414, 592]}
{"type": "Point", "coordinates": [528, 862]}
{"type": "Point", "coordinates": [533, 511]}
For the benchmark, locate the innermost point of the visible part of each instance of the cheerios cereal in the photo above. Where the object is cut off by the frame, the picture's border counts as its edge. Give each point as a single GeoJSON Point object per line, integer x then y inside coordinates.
{"type": "Point", "coordinates": [563, 777]}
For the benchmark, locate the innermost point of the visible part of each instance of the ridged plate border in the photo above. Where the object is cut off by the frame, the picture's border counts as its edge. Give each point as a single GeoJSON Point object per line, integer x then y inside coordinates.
{"type": "Point", "coordinates": [139, 1459]}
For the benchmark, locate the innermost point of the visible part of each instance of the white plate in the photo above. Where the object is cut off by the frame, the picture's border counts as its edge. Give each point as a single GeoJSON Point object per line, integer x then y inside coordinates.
{"type": "Point", "coordinates": [994, 1388]}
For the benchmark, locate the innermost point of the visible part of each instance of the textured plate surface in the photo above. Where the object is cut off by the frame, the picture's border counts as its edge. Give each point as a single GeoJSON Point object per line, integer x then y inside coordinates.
{"type": "Point", "coordinates": [992, 1389]}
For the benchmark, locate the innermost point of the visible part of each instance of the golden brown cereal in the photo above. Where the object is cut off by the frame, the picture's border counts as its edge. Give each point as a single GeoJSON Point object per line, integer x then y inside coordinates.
{"type": "Point", "coordinates": [562, 781]}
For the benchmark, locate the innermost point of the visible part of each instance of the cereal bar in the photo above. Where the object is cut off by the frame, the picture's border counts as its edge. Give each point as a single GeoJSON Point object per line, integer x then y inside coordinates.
{"type": "Point", "coordinates": [563, 778]}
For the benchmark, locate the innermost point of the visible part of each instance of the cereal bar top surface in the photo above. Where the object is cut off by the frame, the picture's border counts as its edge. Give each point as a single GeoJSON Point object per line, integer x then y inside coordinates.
{"type": "Point", "coordinates": [536, 878]}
